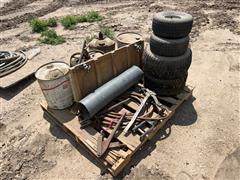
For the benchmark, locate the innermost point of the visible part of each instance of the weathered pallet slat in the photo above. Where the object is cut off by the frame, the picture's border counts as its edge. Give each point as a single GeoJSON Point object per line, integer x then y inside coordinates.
{"type": "Point", "coordinates": [114, 159]}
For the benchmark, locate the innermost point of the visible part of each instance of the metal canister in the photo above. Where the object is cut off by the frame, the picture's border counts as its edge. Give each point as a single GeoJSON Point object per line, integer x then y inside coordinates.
{"type": "Point", "coordinates": [53, 79]}
{"type": "Point", "coordinates": [102, 43]}
{"type": "Point", "coordinates": [78, 58]}
{"type": "Point", "coordinates": [126, 38]}
{"type": "Point", "coordinates": [95, 53]}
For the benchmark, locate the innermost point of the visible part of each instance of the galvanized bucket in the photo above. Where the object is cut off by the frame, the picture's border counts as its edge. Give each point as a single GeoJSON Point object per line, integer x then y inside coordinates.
{"type": "Point", "coordinates": [53, 79]}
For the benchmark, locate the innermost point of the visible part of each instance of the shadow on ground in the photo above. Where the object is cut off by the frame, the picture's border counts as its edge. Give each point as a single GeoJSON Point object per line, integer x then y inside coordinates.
{"type": "Point", "coordinates": [184, 116]}
{"type": "Point", "coordinates": [60, 134]}
{"type": "Point", "coordinates": [230, 167]}
{"type": "Point", "coordinates": [12, 91]}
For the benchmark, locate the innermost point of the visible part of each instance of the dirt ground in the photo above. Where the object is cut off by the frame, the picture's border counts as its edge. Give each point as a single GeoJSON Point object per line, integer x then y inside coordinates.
{"type": "Point", "coordinates": [202, 140]}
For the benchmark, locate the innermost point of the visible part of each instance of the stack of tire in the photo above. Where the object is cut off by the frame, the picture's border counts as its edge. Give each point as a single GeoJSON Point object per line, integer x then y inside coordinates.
{"type": "Point", "coordinates": [168, 58]}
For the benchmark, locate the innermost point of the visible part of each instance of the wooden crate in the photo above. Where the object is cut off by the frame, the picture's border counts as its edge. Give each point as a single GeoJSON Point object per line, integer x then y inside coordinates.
{"type": "Point", "coordinates": [114, 160]}
{"type": "Point", "coordinates": [102, 69]}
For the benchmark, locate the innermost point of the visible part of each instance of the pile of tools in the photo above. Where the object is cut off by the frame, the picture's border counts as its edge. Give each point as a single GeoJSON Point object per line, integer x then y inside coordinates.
{"type": "Point", "coordinates": [137, 111]}
{"type": "Point", "coordinates": [121, 105]}
{"type": "Point", "coordinates": [11, 61]}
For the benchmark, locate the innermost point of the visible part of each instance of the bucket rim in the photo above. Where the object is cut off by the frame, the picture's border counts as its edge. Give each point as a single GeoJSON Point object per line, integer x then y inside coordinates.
{"type": "Point", "coordinates": [117, 37]}
{"type": "Point", "coordinates": [51, 63]}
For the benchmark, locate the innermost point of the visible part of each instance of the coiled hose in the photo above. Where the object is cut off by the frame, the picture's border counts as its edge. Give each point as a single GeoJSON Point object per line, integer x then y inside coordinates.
{"type": "Point", "coordinates": [11, 61]}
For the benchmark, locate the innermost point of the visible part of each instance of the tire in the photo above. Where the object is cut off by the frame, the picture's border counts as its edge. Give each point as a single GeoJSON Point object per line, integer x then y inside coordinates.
{"type": "Point", "coordinates": [165, 87]}
{"type": "Point", "coordinates": [168, 47]}
{"type": "Point", "coordinates": [172, 24]}
{"type": "Point", "coordinates": [166, 67]}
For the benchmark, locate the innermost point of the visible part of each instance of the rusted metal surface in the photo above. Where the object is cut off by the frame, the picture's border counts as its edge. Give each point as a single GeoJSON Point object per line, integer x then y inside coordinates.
{"type": "Point", "coordinates": [147, 112]}
{"type": "Point", "coordinates": [107, 117]}
{"type": "Point", "coordinates": [84, 55]}
{"type": "Point", "coordinates": [136, 114]}
{"type": "Point", "coordinates": [102, 43]}
{"type": "Point", "coordinates": [102, 145]}
{"type": "Point", "coordinates": [79, 57]}
{"type": "Point", "coordinates": [144, 128]}
{"type": "Point", "coordinates": [126, 38]}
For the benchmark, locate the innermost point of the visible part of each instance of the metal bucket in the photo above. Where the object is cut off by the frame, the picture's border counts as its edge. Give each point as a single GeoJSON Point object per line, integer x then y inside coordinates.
{"type": "Point", "coordinates": [126, 38]}
{"type": "Point", "coordinates": [102, 43]}
{"type": "Point", "coordinates": [55, 84]}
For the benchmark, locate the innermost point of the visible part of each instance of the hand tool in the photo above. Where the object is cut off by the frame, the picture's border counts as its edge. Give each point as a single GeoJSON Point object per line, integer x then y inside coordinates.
{"type": "Point", "coordinates": [102, 145]}
{"type": "Point", "coordinates": [110, 123]}
{"type": "Point", "coordinates": [115, 105]}
{"type": "Point", "coordinates": [163, 110]}
{"type": "Point", "coordinates": [80, 57]}
{"type": "Point", "coordinates": [136, 114]}
{"type": "Point", "coordinates": [144, 128]}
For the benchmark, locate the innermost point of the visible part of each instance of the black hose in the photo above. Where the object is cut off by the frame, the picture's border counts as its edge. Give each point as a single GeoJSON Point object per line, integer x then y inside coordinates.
{"type": "Point", "coordinates": [11, 61]}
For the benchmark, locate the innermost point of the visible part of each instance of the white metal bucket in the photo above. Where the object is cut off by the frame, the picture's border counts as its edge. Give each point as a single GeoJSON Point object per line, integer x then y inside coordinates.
{"type": "Point", "coordinates": [54, 81]}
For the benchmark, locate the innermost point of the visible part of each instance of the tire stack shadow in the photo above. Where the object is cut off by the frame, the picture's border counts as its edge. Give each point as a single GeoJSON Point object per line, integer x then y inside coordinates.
{"type": "Point", "coordinates": [185, 115]}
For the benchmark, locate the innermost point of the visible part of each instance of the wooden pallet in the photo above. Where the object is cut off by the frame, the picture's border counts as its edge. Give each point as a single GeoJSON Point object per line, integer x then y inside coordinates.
{"type": "Point", "coordinates": [115, 159]}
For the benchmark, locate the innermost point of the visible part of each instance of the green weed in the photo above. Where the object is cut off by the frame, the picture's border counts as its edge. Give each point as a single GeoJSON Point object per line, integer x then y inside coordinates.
{"type": "Point", "coordinates": [93, 16]}
{"type": "Point", "coordinates": [69, 22]}
{"type": "Point", "coordinates": [81, 18]}
{"type": "Point", "coordinates": [51, 37]}
{"type": "Point", "coordinates": [38, 25]}
{"type": "Point", "coordinates": [107, 32]}
{"type": "Point", "coordinates": [52, 22]}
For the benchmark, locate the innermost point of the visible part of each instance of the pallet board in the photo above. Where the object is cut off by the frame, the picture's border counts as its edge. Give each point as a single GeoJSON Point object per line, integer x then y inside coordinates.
{"type": "Point", "coordinates": [27, 70]}
{"type": "Point", "coordinates": [115, 159]}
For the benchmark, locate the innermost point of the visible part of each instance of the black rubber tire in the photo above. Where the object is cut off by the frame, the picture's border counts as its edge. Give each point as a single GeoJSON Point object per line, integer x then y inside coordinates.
{"type": "Point", "coordinates": [172, 24]}
{"type": "Point", "coordinates": [168, 47]}
{"type": "Point", "coordinates": [165, 87]}
{"type": "Point", "coordinates": [166, 67]}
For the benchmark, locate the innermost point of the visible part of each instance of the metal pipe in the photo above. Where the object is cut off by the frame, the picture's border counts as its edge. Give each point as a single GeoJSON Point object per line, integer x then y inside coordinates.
{"type": "Point", "coordinates": [95, 101]}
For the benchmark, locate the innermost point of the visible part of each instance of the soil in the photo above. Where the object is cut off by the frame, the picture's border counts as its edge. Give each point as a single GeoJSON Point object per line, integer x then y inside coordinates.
{"type": "Point", "coordinates": [200, 142]}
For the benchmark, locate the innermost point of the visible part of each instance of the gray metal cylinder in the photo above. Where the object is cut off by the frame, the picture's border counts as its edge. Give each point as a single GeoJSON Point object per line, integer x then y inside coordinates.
{"type": "Point", "coordinates": [95, 101]}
